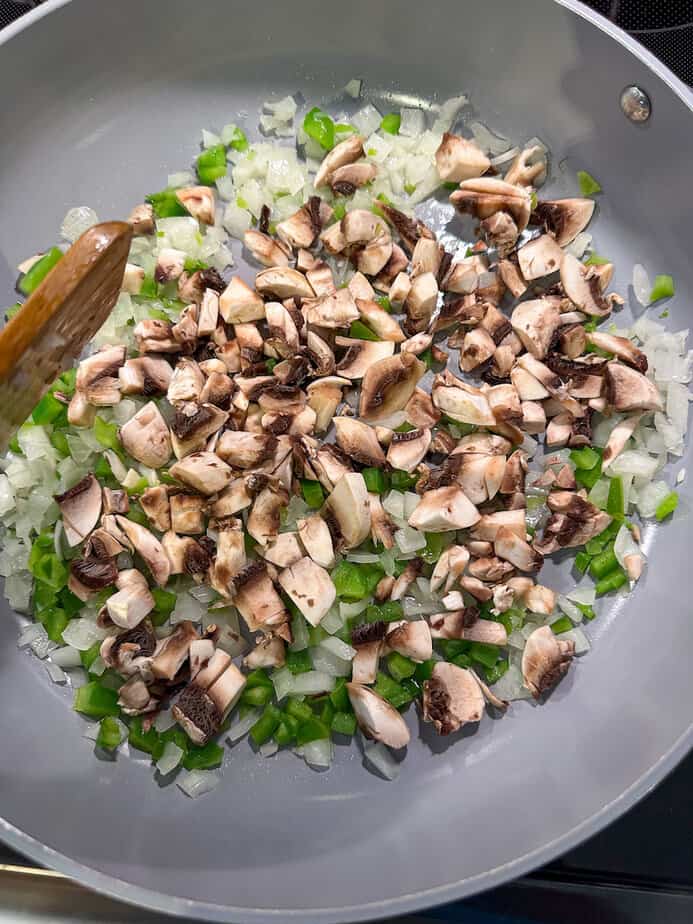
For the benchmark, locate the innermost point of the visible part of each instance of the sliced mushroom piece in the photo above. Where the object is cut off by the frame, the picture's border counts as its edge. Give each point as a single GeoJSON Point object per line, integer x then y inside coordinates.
{"type": "Point", "coordinates": [564, 218]}
{"type": "Point", "coordinates": [80, 508]}
{"type": "Point", "coordinates": [283, 550]}
{"type": "Point", "coordinates": [321, 280]}
{"type": "Point", "coordinates": [324, 396]}
{"type": "Point", "coordinates": [540, 257]}
{"type": "Point", "coordinates": [264, 517]}
{"type": "Point", "coordinates": [265, 249]}
{"type": "Point", "coordinates": [347, 179]}
{"type": "Point", "coordinates": [330, 465]}
{"type": "Point", "coordinates": [384, 325]}
{"type": "Point", "coordinates": [411, 639]}
{"type": "Point", "coordinates": [377, 719]}
{"type": "Point", "coordinates": [133, 600]}
{"type": "Point", "coordinates": [133, 278]}
{"type": "Point", "coordinates": [504, 402]}
{"type": "Point", "coordinates": [451, 698]}
{"type": "Point", "coordinates": [583, 288]}
{"type": "Point", "coordinates": [208, 316]}
{"type": "Point", "coordinates": [489, 568]}
{"type": "Point", "coordinates": [364, 665]}
{"type": "Point", "coordinates": [170, 264]}
{"type": "Point", "coordinates": [420, 411]}
{"type": "Point", "coordinates": [239, 304]}
{"type": "Point", "coordinates": [461, 402]}
{"type": "Point", "coordinates": [478, 347]}
{"type": "Point", "coordinates": [193, 424]}
{"type": "Point", "coordinates": [155, 336]}
{"type": "Point", "coordinates": [317, 540]}
{"type": "Point", "coordinates": [205, 472]}
{"type": "Point", "coordinates": [382, 527]}
{"type": "Point", "coordinates": [459, 159]}
{"type": "Point", "coordinates": [511, 276]}
{"type": "Point", "coordinates": [349, 508]}
{"type": "Point", "coordinates": [361, 355]}
{"type": "Point", "coordinates": [444, 509]}
{"type": "Point", "coordinates": [528, 387]}
{"type": "Point", "coordinates": [101, 367]}
{"type": "Point", "coordinates": [332, 311]}
{"type": "Point", "coordinates": [134, 697]}
{"type": "Point", "coordinates": [148, 547]}
{"type": "Point", "coordinates": [258, 602]}
{"type": "Point", "coordinates": [217, 391]}
{"type": "Point", "coordinates": [449, 567]}
{"type": "Point", "coordinates": [196, 713]}
{"type": "Point", "coordinates": [333, 239]}
{"type": "Point", "coordinates": [528, 168]}
{"type": "Point", "coordinates": [283, 282]}
{"type": "Point", "coordinates": [130, 652]}
{"type": "Point", "coordinates": [509, 546]}
{"type": "Point", "coordinates": [146, 437]}
{"type": "Point", "coordinates": [535, 322]}
{"type": "Point", "coordinates": [282, 329]}
{"type": "Point", "coordinates": [199, 201]}
{"type": "Point", "coordinates": [486, 632]}
{"type": "Point", "coordinates": [310, 588]}
{"type": "Point", "coordinates": [489, 524]}
{"type": "Point", "coordinates": [186, 382]}
{"type": "Point", "coordinates": [411, 571]}
{"type": "Point", "coordinates": [186, 514]}
{"type": "Point", "coordinates": [269, 652]}
{"type": "Point", "coordinates": [623, 348]}
{"type": "Point", "coordinates": [426, 257]}
{"type": "Point", "coordinates": [236, 497]}
{"type": "Point", "coordinates": [572, 339]}
{"type": "Point", "coordinates": [400, 290]}
{"type": "Point", "coordinates": [359, 441]}
{"type": "Point", "coordinates": [545, 660]}
{"type": "Point", "coordinates": [142, 219]}
{"type": "Point", "coordinates": [230, 557]}
{"type": "Point", "coordinates": [422, 298]}
{"type": "Point", "coordinates": [242, 449]}
{"type": "Point", "coordinates": [145, 375]}
{"type": "Point", "coordinates": [300, 229]}
{"type": "Point", "coordinates": [80, 413]}
{"type": "Point", "coordinates": [155, 503]}
{"type": "Point", "coordinates": [173, 651]}
{"type": "Point", "coordinates": [102, 545]}
{"type": "Point", "coordinates": [346, 152]}
{"type": "Point", "coordinates": [618, 438]}
{"type": "Point", "coordinates": [406, 450]}
{"type": "Point", "coordinates": [574, 522]}
{"type": "Point", "coordinates": [374, 256]}
{"type": "Point", "coordinates": [629, 390]}
{"type": "Point", "coordinates": [485, 196]}
{"type": "Point", "coordinates": [388, 385]}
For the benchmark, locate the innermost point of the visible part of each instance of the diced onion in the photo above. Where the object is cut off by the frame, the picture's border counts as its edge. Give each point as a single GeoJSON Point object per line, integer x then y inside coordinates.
{"type": "Point", "coordinates": [585, 595]}
{"type": "Point", "coordinates": [582, 643]}
{"type": "Point", "coordinates": [268, 749]}
{"type": "Point", "coordinates": [77, 221]}
{"type": "Point", "coordinates": [378, 757]}
{"type": "Point", "coordinates": [327, 664]}
{"type": "Point", "coordinates": [568, 607]}
{"type": "Point", "coordinates": [30, 634]}
{"type": "Point", "coordinates": [650, 496]}
{"type": "Point", "coordinates": [394, 505]}
{"type": "Point", "coordinates": [313, 682]}
{"type": "Point", "coordinates": [625, 545]}
{"type": "Point", "coordinates": [283, 682]}
{"type": "Point", "coordinates": [182, 178]}
{"type": "Point", "coordinates": [66, 657]}
{"type": "Point", "coordinates": [82, 633]}
{"type": "Point", "coordinates": [367, 120]}
{"type": "Point", "coordinates": [241, 727]}
{"type": "Point", "coordinates": [332, 622]}
{"type": "Point", "coordinates": [55, 672]}
{"type": "Point", "coordinates": [353, 88]}
{"type": "Point", "coordinates": [413, 122]}
{"type": "Point", "coordinates": [349, 610]}
{"type": "Point", "coordinates": [363, 558]}
{"type": "Point", "coordinates": [170, 759]}
{"type": "Point", "coordinates": [318, 754]}
{"type": "Point", "coordinates": [409, 539]}
{"type": "Point", "coordinates": [338, 648]}
{"type": "Point", "coordinates": [641, 284]}
{"type": "Point", "coordinates": [196, 783]}
{"type": "Point", "coordinates": [487, 140]}
{"type": "Point", "coordinates": [632, 462]}
{"type": "Point", "coordinates": [164, 720]}
{"type": "Point", "coordinates": [510, 686]}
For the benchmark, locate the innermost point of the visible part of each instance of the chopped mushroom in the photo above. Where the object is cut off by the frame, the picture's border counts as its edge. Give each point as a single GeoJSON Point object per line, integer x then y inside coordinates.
{"type": "Point", "coordinates": [451, 698]}
{"type": "Point", "coordinates": [317, 541]}
{"type": "Point", "coordinates": [145, 375]}
{"type": "Point", "coordinates": [346, 152]}
{"type": "Point", "coordinates": [80, 508]}
{"type": "Point", "coordinates": [310, 588]}
{"type": "Point", "coordinates": [199, 201]}
{"type": "Point", "coordinates": [535, 323]}
{"type": "Point", "coordinates": [377, 719]}
{"type": "Point", "coordinates": [359, 441]}
{"type": "Point", "coordinates": [582, 286]}
{"type": "Point", "coordinates": [258, 602]}
{"type": "Point", "coordinates": [388, 385]}
{"type": "Point", "coordinates": [411, 639]}
{"type": "Point", "coordinates": [564, 218]}
{"type": "Point", "coordinates": [265, 249]}
{"type": "Point", "coordinates": [361, 355]}
{"type": "Point", "coordinates": [148, 547]}
{"type": "Point", "coordinates": [406, 450]}
{"type": "Point", "coordinates": [146, 437]}
{"type": "Point", "coordinates": [133, 600]}
{"type": "Point", "coordinates": [203, 471]}
{"type": "Point", "coordinates": [485, 196]}
{"type": "Point", "coordinates": [172, 651]}
{"type": "Point", "coordinates": [283, 282]}
{"type": "Point", "coordinates": [238, 303]}
{"type": "Point", "coordinates": [629, 390]}
{"type": "Point", "coordinates": [347, 179]}
{"type": "Point", "coordinates": [539, 257]}
{"type": "Point", "coordinates": [458, 159]}
{"type": "Point", "coordinates": [545, 660]}
{"type": "Point", "coordinates": [155, 503]}
{"type": "Point", "coordinates": [269, 652]}
{"type": "Point", "coordinates": [444, 509]}
{"type": "Point", "coordinates": [350, 510]}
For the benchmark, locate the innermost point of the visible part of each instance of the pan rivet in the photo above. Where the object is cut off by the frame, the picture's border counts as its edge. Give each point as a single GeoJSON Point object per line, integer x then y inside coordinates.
{"type": "Point", "coordinates": [636, 104]}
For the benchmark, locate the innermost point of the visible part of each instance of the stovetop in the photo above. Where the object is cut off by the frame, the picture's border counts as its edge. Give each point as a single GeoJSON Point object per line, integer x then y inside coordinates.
{"type": "Point", "coordinates": [640, 869]}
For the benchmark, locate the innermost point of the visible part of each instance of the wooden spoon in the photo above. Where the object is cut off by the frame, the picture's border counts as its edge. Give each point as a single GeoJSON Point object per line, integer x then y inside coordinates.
{"type": "Point", "coordinates": [58, 319]}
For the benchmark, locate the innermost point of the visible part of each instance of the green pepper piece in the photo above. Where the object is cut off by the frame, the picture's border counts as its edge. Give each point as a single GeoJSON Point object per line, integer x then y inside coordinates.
{"type": "Point", "coordinates": [266, 725]}
{"type": "Point", "coordinates": [375, 480]}
{"type": "Point", "coordinates": [31, 280]}
{"type": "Point", "coordinates": [663, 288]}
{"type": "Point", "coordinates": [435, 546]}
{"type": "Point", "coordinates": [313, 494]}
{"type": "Point", "coordinates": [256, 696]}
{"type": "Point", "coordinates": [313, 729]}
{"type": "Point", "coordinates": [110, 734]}
{"type": "Point", "coordinates": [424, 671]}
{"type": "Point", "coordinates": [484, 654]}
{"type": "Point", "coordinates": [166, 204]}
{"type": "Point", "coordinates": [588, 185]}
{"type": "Point", "coordinates": [667, 506]}
{"type": "Point", "coordinates": [150, 741]}
{"type": "Point", "coordinates": [400, 668]}
{"type": "Point", "coordinates": [344, 723]}
{"type": "Point", "coordinates": [395, 693]}
{"type": "Point", "coordinates": [164, 604]}
{"type": "Point", "coordinates": [585, 458]}
{"type": "Point", "coordinates": [613, 580]}
{"type": "Point", "coordinates": [402, 481]}
{"type": "Point", "coordinates": [604, 563]}
{"type": "Point", "coordinates": [298, 709]}
{"type": "Point", "coordinates": [48, 410]}
{"type": "Point", "coordinates": [320, 127]}
{"type": "Point", "coordinates": [90, 655]}
{"type": "Point", "coordinates": [299, 662]}
{"type": "Point", "coordinates": [54, 621]}
{"type": "Point", "coordinates": [561, 625]}
{"type": "Point", "coordinates": [339, 696]}
{"type": "Point", "coordinates": [205, 757]}
{"type": "Point", "coordinates": [211, 164]}
{"type": "Point", "coordinates": [107, 434]}
{"type": "Point", "coordinates": [96, 701]}
{"type": "Point", "coordinates": [361, 331]}
{"type": "Point", "coordinates": [582, 561]}
{"type": "Point", "coordinates": [391, 123]}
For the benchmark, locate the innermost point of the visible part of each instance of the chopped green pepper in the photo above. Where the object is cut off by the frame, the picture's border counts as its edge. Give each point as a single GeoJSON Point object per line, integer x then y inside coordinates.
{"type": "Point", "coordinates": [402, 481]}
{"type": "Point", "coordinates": [390, 611]}
{"type": "Point", "coordinates": [663, 288]}
{"type": "Point", "coordinates": [361, 331]}
{"type": "Point", "coordinates": [312, 493]}
{"type": "Point", "coordinates": [344, 723]}
{"type": "Point", "coordinates": [339, 696]}
{"type": "Point", "coordinates": [206, 757]}
{"type": "Point", "coordinates": [613, 580]}
{"type": "Point", "coordinates": [494, 674]}
{"type": "Point", "coordinates": [166, 204]}
{"type": "Point", "coordinates": [667, 506]}
{"type": "Point", "coordinates": [48, 410]}
{"type": "Point", "coordinates": [615, 502]}
{"type": "Point", "coordinates": [354, 582]}
{"type": "Point", "coordinates": [313, 729]}
{"type": "Point", "coordinates": [595, 260]}
{"type": "Point", "coordinates": [424, 671]}
{"type": "Point", "coordinates": [375, 479]}
{"type": "Point", "coordinates": [561, 625]}
{"type": "Point", "coordinates": [582, 560]}
{"type": "Point", "coordinates": [298, 710]}
{"type": "Point", "coordinates": [32, 279]}
{"type": "Point", "coordinates": [395, 693]}
{"type": "Point", "coordinates": [484, 654]}
{"type": "Point", "coordinates": [400, 668]}
{"type": "Point", "coordinates": [384, 302]}
{"type": "Point", "coordinates": [211, 164]}
{"type": "Point", "coordinates": [266, 725]}
{"type": "Point", "coordinates": [164, 604]}
{"type": "Point", "coordinates": [299, 662]}
{"type": "Point", "coordinates": [90, 655]}
{"type": "Point", "coordinates": [54, 621]}
{"type": "Point", "coordinates": [320, 127]}
{"type": "Point", "coordinates": [96, 701]}
{"type": "Point", "coordinates": [585, 458]}
{"type": "Point", "coordinates": [256, 696]}
{"type": "Point", "coordinates": [107, 434]}
{"type": "Point", "coordinates": [150, 741]}
{"type": "Point", "coordinates": [110, 734]}
{"type": "Point", "coordinates": [391, 123]}
{"type": "Point", "coordinates": [588, 185]}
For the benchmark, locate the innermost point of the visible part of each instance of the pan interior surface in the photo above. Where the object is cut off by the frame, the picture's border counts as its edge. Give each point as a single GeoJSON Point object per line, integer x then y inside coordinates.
{"type": "Point", "coordinates": [114, 100]}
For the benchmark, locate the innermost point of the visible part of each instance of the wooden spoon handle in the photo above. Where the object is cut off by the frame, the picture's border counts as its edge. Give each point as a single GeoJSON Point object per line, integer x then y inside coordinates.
{"type": "Point", "coordinates": [58, 319]}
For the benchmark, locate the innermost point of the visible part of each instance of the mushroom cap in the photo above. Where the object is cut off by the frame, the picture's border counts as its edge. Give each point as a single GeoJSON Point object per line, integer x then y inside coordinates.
{"type": "Point", "coordinates": [545, 660]}
{"type": "Point", "coordinates": [331, 311]}
{"type": "Point", "coordinates": [283, 550]}
{"type": "Point", "coordinates": [388, 385]}
{"type": "Point", "coordinates": [451, 697]}
{"type": "Point", "coordinates": [376, 717]}
{"type": "Point", "coordinates": [539, 257]}
{"type": "Point", "coordinates": [411, 639]}
{"type": "Point", "coordinates": [564, 218]}
{"type": "Point", "coordinates": [406, 450]}
{"type": "Point", "coordinates": [459, 159]}
{"type": "Point", "coordinates": [348, 504]}
{"type": "Point", "coordinates": [317, 540]}
{"type": "Point", "coordinates": [535, 322]}
{"type": "Point", "coordinates": [238, 303]}
{"type": "Point", "coordinates": [203, 471]}
{"type": "Point", "coordinates": [80, 507]}
{"type": "Point", "coordinates": [310, 588]}
{"type": "Point", "coordinates": [197, 714]}
{"type": "Point", "coordinates": [283, 282]}
{"type": "Point", "coordinates": [244, 449]}
{"type": "Point", "coordinates": [485, 196]}
{"type": "Point", "coordinates": [346, 152]}
{"type": "Point", "coordinates": [462, 402]}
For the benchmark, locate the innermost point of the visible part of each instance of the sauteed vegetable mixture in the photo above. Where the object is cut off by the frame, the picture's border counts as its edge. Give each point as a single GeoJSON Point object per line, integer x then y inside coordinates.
{"type": "Point", "coordinates": [286, 503]}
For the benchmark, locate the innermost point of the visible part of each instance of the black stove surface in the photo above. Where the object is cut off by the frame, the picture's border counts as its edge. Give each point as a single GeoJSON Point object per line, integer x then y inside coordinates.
{"type": "Point", "coordinates": [640, 869]}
